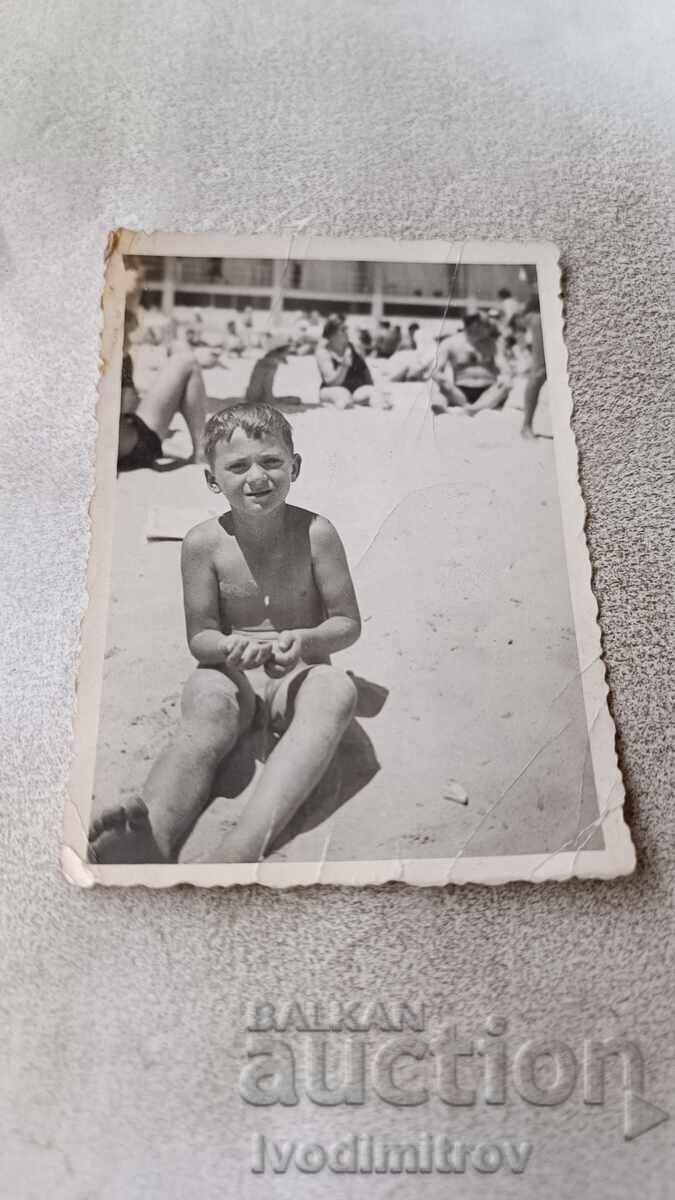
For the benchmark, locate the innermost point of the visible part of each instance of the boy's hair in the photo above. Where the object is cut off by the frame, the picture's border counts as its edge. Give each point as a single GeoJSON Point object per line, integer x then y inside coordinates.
{"type": "Point", "coordinates": [256, 420]}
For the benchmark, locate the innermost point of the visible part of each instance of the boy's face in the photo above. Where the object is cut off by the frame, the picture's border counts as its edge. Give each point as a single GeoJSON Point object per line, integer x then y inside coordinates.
{"type": "Point", "coordinates": [253, 474]}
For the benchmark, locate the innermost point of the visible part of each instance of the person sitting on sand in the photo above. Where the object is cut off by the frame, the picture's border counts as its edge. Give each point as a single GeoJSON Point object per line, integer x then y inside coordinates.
{"type": "Point", "coordinates": [268, 599]}
{"type": "Point", "coordinates": [410, 340]}
{"type": "Point", "coordinates": [364, 342]}
{"type": "Point", "coordinates": [387, 339]}
{"type": "Point", "coordinates": [415, 362]}
{"type": "Point", "coordinates": [145, 420]}
{"type": "Point", "coordinates": [345, 377]}
{"type": "Point", "coordinates": [233, 343]}
{"type": "Point", "coordinates": [515, 349]}
{"type": "Point", "coordinates": [260, 388]}
{"type": "Point", "coordinates": [509, 307]}
{"type": "Point", "coordinates": [304, 337]}
{"type": "Point", "coordinates": [468, 371]}
{"type": "Point", "coordinates": [248, 331]}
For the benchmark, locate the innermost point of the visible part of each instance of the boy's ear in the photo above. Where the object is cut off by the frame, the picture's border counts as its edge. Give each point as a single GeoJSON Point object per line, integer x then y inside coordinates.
{"type": "Point", "coordinates": [210, 480]}
{"type": "Point", "coordinates": [295, 469]}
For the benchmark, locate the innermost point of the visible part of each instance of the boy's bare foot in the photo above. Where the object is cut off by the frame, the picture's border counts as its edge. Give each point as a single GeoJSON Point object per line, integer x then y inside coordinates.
{"type": "Point", "coordinates": [528, 433]}
{"type": "Point", "coordinates": [124, 835]}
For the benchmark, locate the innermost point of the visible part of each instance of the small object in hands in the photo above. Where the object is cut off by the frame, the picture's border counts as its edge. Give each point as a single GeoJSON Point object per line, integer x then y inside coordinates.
{"type": "Point", "coordinates": [455, 791]}
{"type": "Point", "coordinates": [271, 667]}
{"type": "Point", "coordinates": [280, 663]}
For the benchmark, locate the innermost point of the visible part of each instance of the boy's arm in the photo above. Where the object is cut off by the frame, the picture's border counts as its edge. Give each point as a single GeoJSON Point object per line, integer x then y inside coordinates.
{"type": "Point", "coordinates": [342, 624]}
{"type": "Point", "coordinates": [207, 642]}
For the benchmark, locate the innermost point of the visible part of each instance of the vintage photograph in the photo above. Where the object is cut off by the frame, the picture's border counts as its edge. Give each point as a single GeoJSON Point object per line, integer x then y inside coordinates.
{"type": "Point", "coordinates": [341, 626]}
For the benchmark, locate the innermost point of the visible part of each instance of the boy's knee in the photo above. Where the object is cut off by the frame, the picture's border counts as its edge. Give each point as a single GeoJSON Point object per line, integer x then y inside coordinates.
{"type": "Point", "coordinates": [333, 688]}
{"type": "Point", "coordinates": [217, 704]}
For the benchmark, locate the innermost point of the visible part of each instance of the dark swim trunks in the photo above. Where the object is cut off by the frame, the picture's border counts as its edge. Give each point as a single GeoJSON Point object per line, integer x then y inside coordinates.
{"type": "Point", "coordinates": [473, 393]}
{"type": "Point", "coordinates": [148, 446]}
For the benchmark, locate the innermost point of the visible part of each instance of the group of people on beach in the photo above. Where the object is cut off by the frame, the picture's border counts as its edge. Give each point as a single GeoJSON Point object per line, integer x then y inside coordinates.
{"type": "Point", "coordinates": [179, 387]}
{"type": "Point", "coordinates": [473, 368]}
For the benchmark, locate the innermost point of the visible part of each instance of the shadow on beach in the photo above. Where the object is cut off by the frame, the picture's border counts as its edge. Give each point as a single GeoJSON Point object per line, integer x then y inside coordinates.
{"type": "Point", "coordinates": [353, 766]}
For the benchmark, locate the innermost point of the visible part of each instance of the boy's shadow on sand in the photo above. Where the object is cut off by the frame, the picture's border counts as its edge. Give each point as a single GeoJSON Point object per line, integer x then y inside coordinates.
{"type": "Point", "coordinates": [352, 767]}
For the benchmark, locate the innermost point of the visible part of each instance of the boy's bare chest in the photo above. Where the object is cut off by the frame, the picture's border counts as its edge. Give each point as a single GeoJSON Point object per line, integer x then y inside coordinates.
{"type": "Point", "coordinates": [255, 585]}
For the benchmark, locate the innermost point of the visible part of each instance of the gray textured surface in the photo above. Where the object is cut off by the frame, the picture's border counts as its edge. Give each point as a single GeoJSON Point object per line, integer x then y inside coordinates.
{"type": "Point", "coordinates": [121, 1012]}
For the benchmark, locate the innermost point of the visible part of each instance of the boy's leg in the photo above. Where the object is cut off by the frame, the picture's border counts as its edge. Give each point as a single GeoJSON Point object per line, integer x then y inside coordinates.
{"type": "Point", "coordinates": [216, 709]}
{"type": "Point", "coordinates": [324, 706]}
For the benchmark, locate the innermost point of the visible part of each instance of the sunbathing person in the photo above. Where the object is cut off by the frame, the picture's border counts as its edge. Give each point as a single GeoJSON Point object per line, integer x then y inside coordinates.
{"type": "Point", "coordinates": [145, 420]}
{"type": "Point", "coordinates": [345, 377]}
{"type": "Point", "coordinates": [468, 372]}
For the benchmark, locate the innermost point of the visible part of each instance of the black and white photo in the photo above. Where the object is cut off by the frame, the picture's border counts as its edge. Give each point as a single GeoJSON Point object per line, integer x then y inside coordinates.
{"type": "Point", "coordinates": [341, 626]}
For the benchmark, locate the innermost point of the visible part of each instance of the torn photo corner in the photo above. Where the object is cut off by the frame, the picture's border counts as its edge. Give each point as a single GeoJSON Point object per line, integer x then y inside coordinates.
{"type": "Point", "coordinates": [340, 625]}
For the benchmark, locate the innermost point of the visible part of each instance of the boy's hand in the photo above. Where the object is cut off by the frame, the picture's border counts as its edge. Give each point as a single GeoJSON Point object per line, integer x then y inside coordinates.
{"type": "Point", "coordinates": [286, 653]}
{"type": "Point", "coordinates": [245, 655]}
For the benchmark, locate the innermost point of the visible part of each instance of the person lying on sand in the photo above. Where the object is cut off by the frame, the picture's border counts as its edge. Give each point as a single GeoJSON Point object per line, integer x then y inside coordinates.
{"type": "Point", "coordinates": [145, 420]}
{"type": "Point", "coordinates": [268, 598]}
{"type": "Point", "coordinates": [178, 387]}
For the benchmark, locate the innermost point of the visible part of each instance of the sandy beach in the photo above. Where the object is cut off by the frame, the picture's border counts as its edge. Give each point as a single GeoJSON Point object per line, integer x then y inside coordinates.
{"type": "Point", "coordinates": [453, 532]}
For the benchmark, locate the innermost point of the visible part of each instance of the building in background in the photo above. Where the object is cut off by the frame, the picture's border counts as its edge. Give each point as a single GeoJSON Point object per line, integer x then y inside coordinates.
{"type": "Point", "coordinates": [372, 290]}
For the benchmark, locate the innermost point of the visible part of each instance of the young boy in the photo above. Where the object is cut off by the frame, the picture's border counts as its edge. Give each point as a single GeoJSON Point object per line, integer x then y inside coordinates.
{"type": "Point", "coordinates": [268, 598]}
